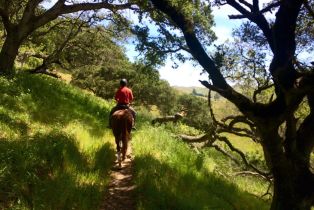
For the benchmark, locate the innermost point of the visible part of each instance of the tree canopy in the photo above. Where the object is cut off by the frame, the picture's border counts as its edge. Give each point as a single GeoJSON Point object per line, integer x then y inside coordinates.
{"type": "Point", "coordinates": [271, 59]}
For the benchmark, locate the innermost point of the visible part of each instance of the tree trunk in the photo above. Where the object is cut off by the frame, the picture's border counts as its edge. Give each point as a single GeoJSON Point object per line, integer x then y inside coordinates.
{"type": "Point", "coordinates": [293, 181]}
{"type": "Point", "coordinates": [8, 53]}
{"type": "Point", "coordinates": [293, 189]}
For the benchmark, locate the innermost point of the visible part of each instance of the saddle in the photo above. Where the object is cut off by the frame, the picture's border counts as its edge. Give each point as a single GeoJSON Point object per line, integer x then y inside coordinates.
{"type": "Point", "coordinates": [121, 106]}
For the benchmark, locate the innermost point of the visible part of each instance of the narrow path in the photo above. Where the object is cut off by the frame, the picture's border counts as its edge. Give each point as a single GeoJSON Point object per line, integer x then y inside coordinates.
{"type": "Point", "coordinates": [120, 192]}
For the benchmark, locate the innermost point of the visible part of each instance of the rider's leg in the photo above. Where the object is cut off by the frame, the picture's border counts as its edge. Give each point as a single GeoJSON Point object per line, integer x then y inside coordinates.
{"type": "Point", "coordinates": [133, 114]}
{"type": "Point", "coordinates": [111, 112]}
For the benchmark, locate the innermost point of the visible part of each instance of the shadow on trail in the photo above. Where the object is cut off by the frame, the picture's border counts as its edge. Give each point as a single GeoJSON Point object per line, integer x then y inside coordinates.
{"type": "Point", "coordinates": [49, 172]}
{"type": "Point", "coordinates": [160, 186]}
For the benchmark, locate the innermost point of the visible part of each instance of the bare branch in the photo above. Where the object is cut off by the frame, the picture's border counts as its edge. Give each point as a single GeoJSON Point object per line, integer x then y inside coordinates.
{"type": "Point", "coordinates": [42, 70]}
{"type": "Point", "coordinates": [271, 6]}
{"type": "Point", "coordinates": [256, 17]}
{"type": "Point", "coordinates": [226, 154]}
{"type": "Point", "coordinates": [260, 90]}
{"type": "Point", "coordinates": [175, 118]}
{"type": "Point", "coordinates": [242, 155]}
{"type": "Point", "coordinates": [237, 16]}
{"type": "Point", "coordinates": [195, 139]}
{"type": "Point", "coordinates": [211, 87]}
{"type": "Point", "coordinates": [5, 19]}
{"type": "Point", "coordinates": [60, 8]}
{"type": "Point", "coordinates": [43, 33]}
{"type": "Point", "coordinates": [250, 173]}
{"type": "Point", "coordinates": [247, 4]}
{"type": "Point", "coordinates": [255, 6]}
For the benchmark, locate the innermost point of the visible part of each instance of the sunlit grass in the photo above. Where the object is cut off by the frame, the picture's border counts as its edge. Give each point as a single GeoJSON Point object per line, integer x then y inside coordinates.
{"type": "Point", "coordinates": [56, 153]}
{"type": "Point", "coordinates": [172, 176]}
{"type": "Point", "coordinates": [55, 149]}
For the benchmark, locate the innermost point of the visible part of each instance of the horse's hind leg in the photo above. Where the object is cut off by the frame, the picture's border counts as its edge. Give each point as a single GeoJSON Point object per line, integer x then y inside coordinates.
{"type": "Point", "coordinates": [124, 148]}
{"type": "Point", "coordinates": [119, 152]}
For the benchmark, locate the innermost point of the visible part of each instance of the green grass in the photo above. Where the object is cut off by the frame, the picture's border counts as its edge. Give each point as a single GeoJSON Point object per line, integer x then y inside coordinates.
{"type": "Point", "coordinates": [56, 153]}
{"type": "Point", "coordinates": [169, 175]}
{"type": "Point", "coordinates": [55, 149]}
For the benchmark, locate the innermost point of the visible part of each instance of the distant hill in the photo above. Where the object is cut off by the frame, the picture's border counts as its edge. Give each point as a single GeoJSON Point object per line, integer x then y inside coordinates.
{"type": "Point", "coordinates": [188, 90]}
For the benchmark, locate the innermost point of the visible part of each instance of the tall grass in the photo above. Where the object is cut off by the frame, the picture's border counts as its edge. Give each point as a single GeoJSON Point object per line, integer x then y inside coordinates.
{"type": "Point", "coordinates": [169, 175]}
{"type": "Point", "coordinates": [55, 153]}
{"type": "Point", "coordinates": [55, 150]}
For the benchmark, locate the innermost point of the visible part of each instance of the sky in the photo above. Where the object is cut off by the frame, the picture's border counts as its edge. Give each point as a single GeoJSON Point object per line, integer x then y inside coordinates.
{"type": "Point", "coordinates": [186, 74]}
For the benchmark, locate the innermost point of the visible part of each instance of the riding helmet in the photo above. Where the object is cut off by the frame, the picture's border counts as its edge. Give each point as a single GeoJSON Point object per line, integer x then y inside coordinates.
{"type": "Point", "coordinates": [123, 82]}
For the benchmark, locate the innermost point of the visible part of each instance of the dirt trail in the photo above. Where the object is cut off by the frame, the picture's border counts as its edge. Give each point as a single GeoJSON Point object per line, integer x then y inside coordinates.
{"type": "Point", "coordinates": [120, 192]}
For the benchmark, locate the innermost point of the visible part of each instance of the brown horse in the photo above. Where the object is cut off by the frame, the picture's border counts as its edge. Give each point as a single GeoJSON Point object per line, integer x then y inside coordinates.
{"type": "Point", "coordinates": [121, 125]}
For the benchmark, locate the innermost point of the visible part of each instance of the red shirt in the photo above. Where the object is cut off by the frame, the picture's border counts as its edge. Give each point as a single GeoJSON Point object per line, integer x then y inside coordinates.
{"type": "Point", "coordinates": [124, 95]}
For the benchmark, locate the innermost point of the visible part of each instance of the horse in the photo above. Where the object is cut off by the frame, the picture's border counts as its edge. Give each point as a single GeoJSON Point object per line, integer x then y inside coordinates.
{"type": "Point", "coordinates": [121, 125]}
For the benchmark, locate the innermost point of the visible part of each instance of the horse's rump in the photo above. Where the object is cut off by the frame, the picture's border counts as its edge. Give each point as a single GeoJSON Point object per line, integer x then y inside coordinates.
{"type": "Point", "coordinates": [121, 120]}
{"type": "Point", "coordinates": [121, 124]}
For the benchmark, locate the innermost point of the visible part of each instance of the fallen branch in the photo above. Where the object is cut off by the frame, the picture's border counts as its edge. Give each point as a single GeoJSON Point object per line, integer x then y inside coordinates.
{"type": "Point", "coordinates": [175, 118]}
{"type": "Point", "coordinates": [251, 173]}
{"type": "Point", "coordinates": [46, 72]}
{"type": "Point", "coordinates": [194, 139]}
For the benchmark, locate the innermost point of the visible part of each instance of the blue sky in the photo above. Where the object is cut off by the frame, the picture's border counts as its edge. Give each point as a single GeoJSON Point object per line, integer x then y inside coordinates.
{"type": "Point", "coordinates": [186, 74]}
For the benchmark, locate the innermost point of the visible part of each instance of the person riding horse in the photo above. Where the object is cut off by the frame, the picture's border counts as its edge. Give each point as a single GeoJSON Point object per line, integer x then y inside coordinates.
{"type": "Point", "coordinates": [123, 97]}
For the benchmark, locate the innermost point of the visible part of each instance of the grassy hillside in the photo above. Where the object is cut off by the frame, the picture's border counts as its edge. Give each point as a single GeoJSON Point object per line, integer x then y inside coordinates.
{"type": "Point", "coordinates": [56, 153]}
{"type": "Point", "coordinates": [170, 175]}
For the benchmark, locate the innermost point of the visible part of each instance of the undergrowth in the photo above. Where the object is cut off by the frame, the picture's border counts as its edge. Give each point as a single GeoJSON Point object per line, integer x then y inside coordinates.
{"type": "Point", "coordinates": [56, 152]}
{"type": "Point", "coordinates": [169, 175]}
{"type": "Point", "coordinates": [55, 149]}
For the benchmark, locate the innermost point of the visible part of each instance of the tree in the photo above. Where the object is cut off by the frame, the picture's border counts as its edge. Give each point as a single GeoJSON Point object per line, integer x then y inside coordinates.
{"type": "Point", "coordinates": [73, 43]}
{"type": "Point", "coordinates": [288, 155]}
{"type": "Point", "coordinates": [149, 90]}
{"type": "Point", "coordinates": [21, 18]}
{"type": "Point", "coordinates": [196, 112]}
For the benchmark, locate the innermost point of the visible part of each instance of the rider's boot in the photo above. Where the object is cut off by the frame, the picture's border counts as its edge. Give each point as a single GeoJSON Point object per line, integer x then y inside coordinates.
{"type": "Point", "coordinates": [133, 124]}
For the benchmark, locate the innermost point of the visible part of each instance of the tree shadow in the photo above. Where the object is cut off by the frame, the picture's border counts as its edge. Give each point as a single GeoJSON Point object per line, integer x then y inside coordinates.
{"type": "Point", "coordinates": [49, 101]}
{"type": "Point", "coordinates": [160, 186]}
{"type": "Point", "coordinates": [104, 158]}
{"type": "Point", "coordinates": [49, 172]}
{"type": "Point", "coordinates": [16, 125]}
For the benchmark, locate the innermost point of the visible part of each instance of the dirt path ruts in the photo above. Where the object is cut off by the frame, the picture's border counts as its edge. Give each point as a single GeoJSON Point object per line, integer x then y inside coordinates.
{"type": "Point", "coordinates": [120, 192]}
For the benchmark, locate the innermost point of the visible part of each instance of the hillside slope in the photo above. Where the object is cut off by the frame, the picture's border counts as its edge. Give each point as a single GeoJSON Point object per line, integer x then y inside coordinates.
{"type": "Point", "coordinates": [56, 153]}
{"type": "Point", "coordinates": [55, 150]}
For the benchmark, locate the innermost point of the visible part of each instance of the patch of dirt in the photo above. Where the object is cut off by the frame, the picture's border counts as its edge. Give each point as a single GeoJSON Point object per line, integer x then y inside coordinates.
{"type": "Point", "coordinates": [120, 192]}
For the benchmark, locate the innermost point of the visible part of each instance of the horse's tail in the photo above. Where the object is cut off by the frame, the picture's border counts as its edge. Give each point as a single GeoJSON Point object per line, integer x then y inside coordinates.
{"type": "Point", "coordinates": [126, 126]}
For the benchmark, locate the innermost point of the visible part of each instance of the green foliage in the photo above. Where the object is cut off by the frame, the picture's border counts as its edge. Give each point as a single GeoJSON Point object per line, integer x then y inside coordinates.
{"type": "Point", "coordinates": [161, 38]}
{"type": "Point", "coordinates": [55, 151]}
{"type": "Point", "coordinates": [151, 90]}
{"type": "Point", "coordinates": [71, 42]}
{"type": "Point", "coordinates": [196, 111]}
{"type": "Point", "coordinates": [171, 176]}
{"type": "Point", "coordinates": [144, 81]}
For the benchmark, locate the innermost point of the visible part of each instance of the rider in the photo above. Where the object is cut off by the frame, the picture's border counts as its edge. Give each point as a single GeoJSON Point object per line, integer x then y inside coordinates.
{"type": "Point", "coordinates": [123, 97]}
